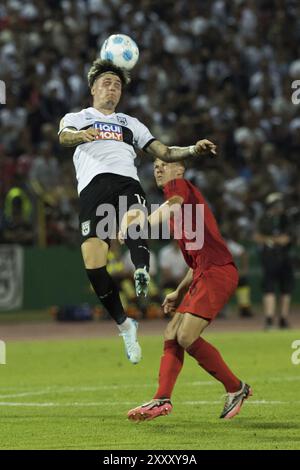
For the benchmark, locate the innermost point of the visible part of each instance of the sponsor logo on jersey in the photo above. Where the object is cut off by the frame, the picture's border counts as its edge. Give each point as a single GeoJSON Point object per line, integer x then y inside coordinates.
{"type": "Point", "coordinates": [122, 120]}
{"type": "Point", "coordinates": [108, 131]}
{"type": "Point", "coordinates": [86, 228]}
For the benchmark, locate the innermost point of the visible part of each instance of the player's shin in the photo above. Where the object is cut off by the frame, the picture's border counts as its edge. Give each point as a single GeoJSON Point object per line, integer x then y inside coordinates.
{"type": "Point", "coordinates": [211, 360]}
{"type": "Point", "coordinates": [136, 241]}
{"type": "Point", "coordinates": [170, 366]}
{"type": "Point", "coordinates": [108, 293]}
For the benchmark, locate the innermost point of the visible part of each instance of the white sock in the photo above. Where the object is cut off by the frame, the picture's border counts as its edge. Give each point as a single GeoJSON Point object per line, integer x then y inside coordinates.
{"type": "Point", "coordinates": [126, 325]}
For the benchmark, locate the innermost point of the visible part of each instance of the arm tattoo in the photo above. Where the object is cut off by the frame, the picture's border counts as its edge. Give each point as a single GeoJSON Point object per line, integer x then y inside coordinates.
{"type": "Point", "coordinates": [170, 154]}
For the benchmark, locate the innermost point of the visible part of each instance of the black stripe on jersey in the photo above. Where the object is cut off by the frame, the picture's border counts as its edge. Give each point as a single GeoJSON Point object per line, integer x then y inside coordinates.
{"type": "Point", "coordinates": [148, 143]}
{"type": "Point", "coordinates": [127, 133]}
{"type": "Point", "coordinates": [67, 127]}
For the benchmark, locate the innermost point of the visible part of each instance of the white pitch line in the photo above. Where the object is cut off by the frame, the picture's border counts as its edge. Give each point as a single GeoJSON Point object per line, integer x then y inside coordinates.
{"type": "Point", "coordinates": [26, 394]}
{"type": "Point", "coordinates": [62, 390]}
{"type": "Point", "coordinates": [73, 390]}
{"type": "Point", "coordinates": [130, 403]}
{"type": "Point", "coordinates": [93, 389]}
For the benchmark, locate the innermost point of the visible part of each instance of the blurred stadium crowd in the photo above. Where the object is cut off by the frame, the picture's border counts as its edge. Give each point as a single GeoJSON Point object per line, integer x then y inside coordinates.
{"type": "Point", "coordinates": [220, 69]}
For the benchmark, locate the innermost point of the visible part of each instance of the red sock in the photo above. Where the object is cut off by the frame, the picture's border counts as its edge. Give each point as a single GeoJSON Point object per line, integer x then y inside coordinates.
{"type": "Point", "coordinates": [211, 360]}
{"type": "Point", "coordinates": [170, 366]}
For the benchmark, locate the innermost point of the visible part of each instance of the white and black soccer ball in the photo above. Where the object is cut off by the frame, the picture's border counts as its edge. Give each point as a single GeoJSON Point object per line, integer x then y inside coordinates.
{"type": "Point", "coordinates": [121, 50]}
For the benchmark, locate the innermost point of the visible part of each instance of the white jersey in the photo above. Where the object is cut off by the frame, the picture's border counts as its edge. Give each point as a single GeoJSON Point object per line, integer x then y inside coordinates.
{"type": "Point", "coordinates": [113, 151]}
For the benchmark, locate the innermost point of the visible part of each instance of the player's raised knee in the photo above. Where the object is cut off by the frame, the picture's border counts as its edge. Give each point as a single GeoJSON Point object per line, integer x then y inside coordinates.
{"type": "Point", "coordinates": [94, 253]}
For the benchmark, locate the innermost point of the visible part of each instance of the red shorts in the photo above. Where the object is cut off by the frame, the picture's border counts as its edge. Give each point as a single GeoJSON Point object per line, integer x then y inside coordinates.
{"type": "Point", "coordinates": [210, 291]}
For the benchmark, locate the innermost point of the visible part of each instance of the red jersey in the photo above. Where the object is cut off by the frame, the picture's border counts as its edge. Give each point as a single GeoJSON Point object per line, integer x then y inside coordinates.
{"type": "Point", "coordinates": [212, 250]}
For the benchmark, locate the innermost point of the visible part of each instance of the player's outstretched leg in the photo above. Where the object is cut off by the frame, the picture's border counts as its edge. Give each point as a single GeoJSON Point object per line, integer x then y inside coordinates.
{"type": "Point", "coordinates": [95, 253]}
{"type": "Point", "coordinates": [170, 366]}
{"type": "Point", "coordinates": [210, 359]}
{"type": "Point", "coordinates": [234, 401]}
{"type": "Point", "coordinates": [152, 409]}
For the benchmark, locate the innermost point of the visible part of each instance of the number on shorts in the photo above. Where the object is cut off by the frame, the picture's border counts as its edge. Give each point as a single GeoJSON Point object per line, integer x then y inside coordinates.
{"type": "Point", "coordinates": [141, 200]}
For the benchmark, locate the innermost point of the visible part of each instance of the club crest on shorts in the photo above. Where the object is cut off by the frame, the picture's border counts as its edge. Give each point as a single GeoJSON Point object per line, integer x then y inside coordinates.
{"type": "Point", "coordinates": [86, 228]}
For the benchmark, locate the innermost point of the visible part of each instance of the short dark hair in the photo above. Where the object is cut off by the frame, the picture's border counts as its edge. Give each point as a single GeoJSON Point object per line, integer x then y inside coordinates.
{"type": "Point", "coordinates": [101, 66]}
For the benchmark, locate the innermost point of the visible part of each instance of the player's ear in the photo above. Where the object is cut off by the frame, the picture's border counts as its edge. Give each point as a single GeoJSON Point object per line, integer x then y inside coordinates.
{"type": "Point", "coordinates": [93, 90]}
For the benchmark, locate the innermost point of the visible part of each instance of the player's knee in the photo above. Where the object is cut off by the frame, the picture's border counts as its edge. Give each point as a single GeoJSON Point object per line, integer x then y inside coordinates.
{"type": "Point", "coordinates": [185, 338]}
{"type": "Point", "coordinates": [169, 333]}
{"type": "Point", "coordinates": [94, 253]}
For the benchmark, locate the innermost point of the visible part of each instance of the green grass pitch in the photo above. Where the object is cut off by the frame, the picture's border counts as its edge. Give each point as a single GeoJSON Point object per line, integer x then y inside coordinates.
{"type": "Point", "coordinates": [75, 395]}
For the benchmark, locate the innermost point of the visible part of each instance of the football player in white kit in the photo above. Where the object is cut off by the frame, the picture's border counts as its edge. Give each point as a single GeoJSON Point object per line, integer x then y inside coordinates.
{"type": "Point", "coordinates": [105, 171]}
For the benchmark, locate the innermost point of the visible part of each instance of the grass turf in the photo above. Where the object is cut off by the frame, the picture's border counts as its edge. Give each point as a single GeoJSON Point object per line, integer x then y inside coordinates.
{"type": "Point", "coordinates": [75, 395]}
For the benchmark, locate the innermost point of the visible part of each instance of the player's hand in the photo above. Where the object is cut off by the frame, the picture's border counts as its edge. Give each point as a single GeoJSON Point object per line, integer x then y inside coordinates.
{"type": "Point", "coordinates": [205, 146]}
{"type": "Point", "coordinates": [171, 302]}
{"type": "Point", "coordinates": [89, 135]}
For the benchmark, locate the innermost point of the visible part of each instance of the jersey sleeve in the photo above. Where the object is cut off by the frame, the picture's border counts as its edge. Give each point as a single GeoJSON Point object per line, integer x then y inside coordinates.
{"type": "Point", "coordinates": [177, 187]}
{"type": "Point", "coordinates": [71, 120]}
{"type": "Point", "coordinates": [142, 136]}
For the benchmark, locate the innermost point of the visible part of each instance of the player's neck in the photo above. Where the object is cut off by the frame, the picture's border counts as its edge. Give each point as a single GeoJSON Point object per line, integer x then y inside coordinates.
{"type": "Point", "coordinates": [104, 110]}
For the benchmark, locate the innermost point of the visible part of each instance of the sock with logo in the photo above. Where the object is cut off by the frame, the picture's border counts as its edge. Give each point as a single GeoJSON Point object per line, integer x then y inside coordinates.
{"type": "Point", "coordinates": [211, 360]}
{"type": "Point", "coordinates": [108, 293]}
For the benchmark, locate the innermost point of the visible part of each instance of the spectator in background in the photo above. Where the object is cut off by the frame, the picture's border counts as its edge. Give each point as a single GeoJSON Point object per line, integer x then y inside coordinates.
{"type": "Point", "coordinates": [17, 227]}
{"type": "Point", "coordinates": [274, 236]}
{"type": "Point", "coordinates": [243, 291]}
{"type": "Point", "coordinates": [45, 170]}
{"type": "Point", "coordinates": [236, 87]}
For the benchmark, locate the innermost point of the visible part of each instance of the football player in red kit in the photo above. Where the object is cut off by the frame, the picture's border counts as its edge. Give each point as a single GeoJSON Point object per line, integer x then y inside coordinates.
{"type": "Point", "coordinates": [206, 288]}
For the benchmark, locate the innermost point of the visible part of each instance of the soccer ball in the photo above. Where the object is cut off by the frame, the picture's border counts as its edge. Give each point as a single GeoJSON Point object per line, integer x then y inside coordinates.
{"type": "Point", "coordinates": [121, 50]}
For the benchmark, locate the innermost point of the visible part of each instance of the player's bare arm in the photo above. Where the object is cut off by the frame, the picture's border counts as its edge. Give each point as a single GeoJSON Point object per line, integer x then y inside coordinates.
{"type": "Point", "coordinates": [70, 136]}
{"type": "Point", "coordinates": [175, 154]}
{"type": "Point", "coordinates": [163, 213]}
{"type": "Point", "coordinates": [185, 283]}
